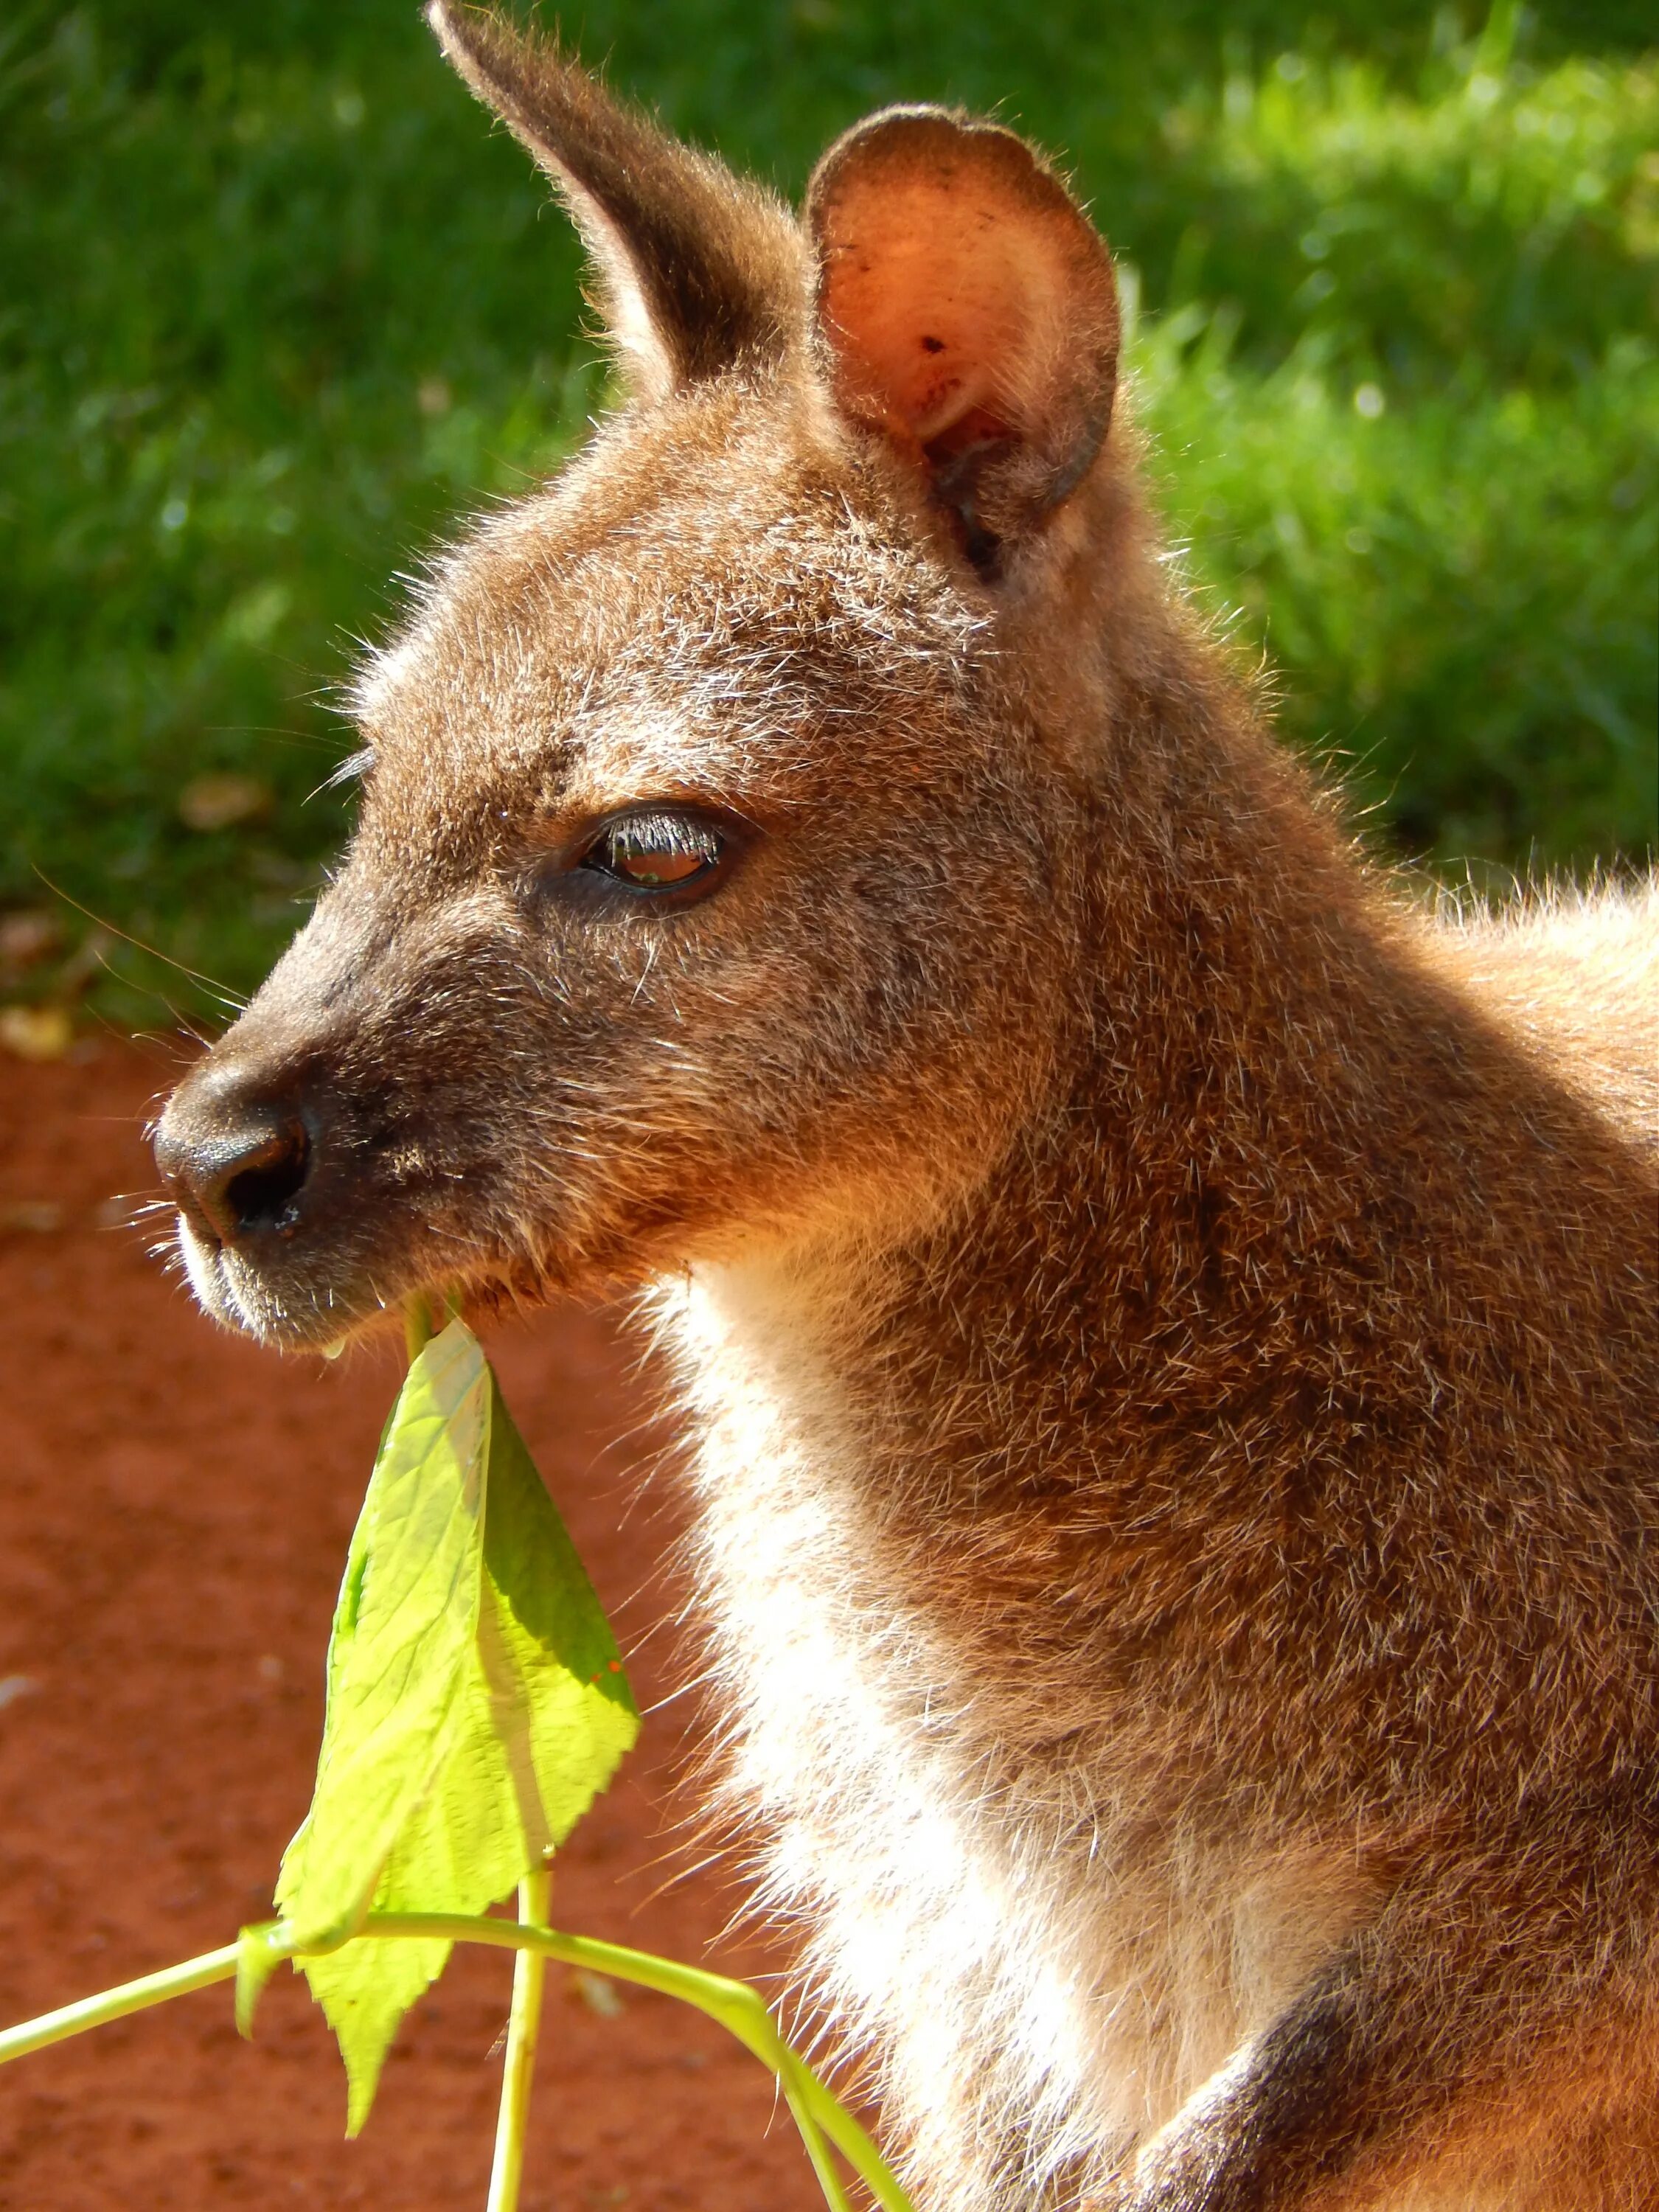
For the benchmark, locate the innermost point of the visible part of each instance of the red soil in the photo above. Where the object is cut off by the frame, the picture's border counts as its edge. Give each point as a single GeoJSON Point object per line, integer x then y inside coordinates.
{"type": "Point", "coordinates": [174, 1506]}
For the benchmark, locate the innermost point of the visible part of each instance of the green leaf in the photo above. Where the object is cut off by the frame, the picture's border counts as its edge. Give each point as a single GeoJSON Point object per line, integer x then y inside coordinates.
{"type": "Point", "coordinates": [476, 1702]}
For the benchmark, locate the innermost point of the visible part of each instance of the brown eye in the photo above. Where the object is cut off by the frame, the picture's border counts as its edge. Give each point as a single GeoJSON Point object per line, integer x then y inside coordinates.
{"type": "Point", "coordinates": [658, 851]}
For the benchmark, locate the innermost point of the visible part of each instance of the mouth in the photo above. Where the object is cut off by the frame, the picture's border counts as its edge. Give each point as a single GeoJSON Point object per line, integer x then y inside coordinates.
{"type": "Point", "coordinates": [285, 1300]}
{"type": "Point", "coordinates": [299, 1222]}
{"type": "Point", "coordinates": [306, 1215]}
{"type": "Point", "coordinates": [287, 1307]}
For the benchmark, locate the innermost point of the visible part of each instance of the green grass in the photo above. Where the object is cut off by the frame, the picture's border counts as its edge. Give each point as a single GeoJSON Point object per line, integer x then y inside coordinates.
{"type": "Point", "coordinates": [276, 307]}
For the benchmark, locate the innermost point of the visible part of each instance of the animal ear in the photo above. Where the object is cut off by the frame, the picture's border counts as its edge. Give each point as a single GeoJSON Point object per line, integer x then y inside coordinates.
{"type": "Point", "coordinates": [966, 308]}
{"type": "Point", "coordinates": [697, 271]}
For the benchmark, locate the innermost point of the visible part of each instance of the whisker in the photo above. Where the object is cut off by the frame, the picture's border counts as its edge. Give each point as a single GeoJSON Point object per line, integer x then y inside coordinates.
{"type": "Point", "coordinates": [223, 992]}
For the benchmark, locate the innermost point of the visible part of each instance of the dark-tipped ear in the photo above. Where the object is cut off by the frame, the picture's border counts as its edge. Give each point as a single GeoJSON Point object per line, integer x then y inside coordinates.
{"type": "Point", "coordinates": [966, 308]}
{"type": "Point", "coordinates": [698, 270]}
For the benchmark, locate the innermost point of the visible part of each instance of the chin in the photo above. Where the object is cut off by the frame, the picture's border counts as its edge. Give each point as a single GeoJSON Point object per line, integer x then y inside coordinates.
{"type": "Point", "coordinates": [288, 1314]}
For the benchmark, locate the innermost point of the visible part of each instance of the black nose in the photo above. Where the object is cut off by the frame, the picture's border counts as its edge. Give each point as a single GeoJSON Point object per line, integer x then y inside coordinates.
{"type": "Point", "coordinates": [236, 1171]}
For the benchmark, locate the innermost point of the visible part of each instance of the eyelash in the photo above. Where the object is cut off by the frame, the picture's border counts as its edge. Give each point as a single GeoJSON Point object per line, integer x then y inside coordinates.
{"type": "Point", "coordinates": [704, 846]}
{"type": "Point", "coordinates": [678, 837]}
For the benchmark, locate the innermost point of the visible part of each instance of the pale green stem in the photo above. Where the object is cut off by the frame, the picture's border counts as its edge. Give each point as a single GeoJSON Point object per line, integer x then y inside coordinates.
{"type": "Point", "coordinates": [524, 2021]}
{"type": "Point", "coordinates": [737, 2006]}
{"type": "Point", "coordinates": [418, 1324]}
{"type": "Point", "coordinates": [811, 2136]}
{"type": "Point", "coordinates": [115, 2004]}
{"type": "Point", "coordinates": [849, 2138]}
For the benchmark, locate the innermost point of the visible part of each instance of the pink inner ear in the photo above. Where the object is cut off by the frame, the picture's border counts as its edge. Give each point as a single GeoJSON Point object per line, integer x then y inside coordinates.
{"type": "Point", "coordinates": [941, 299]}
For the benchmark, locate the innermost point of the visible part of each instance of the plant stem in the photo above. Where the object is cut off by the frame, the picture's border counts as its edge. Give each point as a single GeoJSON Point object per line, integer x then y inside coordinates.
{"type": "Point", "coordinates": [528, 1971]}
{"type": "Point", "coordinates": [787, 2068]}
{"type": "Point", "coordinates": [418, 1324]}
{"type": "Point", "coordinates": [851, 2140]}
{"type": "Point", "coordinates": [738, 2007]}
{"type": "Point", "coordinates": [115, 2004]}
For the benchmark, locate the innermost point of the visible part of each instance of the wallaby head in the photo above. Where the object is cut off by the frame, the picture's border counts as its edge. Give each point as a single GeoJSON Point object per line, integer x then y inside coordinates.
{"type": "Point", "coordinates": [721, 800]}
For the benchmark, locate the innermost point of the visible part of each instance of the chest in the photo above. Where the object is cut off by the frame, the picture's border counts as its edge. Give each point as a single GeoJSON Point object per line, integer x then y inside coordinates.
{"type": "Point", "coordinates": [1040, 1973]}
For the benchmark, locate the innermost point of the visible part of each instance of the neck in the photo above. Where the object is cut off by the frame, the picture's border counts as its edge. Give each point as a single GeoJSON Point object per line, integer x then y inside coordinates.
{"type": "Point", "coordinates": [1268, 1260]}
{"type": "Point", "coordinates": [1047, 1551]}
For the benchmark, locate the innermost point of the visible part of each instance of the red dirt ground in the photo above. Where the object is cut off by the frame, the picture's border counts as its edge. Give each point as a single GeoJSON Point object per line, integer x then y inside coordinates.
{"type": "Point", "coordinates": [174, 1506]}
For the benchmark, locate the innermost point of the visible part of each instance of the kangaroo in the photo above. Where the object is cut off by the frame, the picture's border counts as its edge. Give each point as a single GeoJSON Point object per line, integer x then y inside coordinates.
{"type": "Point", "coordinates": [1166, 1322]}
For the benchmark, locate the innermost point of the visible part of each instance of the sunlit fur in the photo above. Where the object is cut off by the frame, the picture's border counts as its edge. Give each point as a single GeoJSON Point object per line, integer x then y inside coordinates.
{"type": "Point", "coordinates": [1166, 1321]}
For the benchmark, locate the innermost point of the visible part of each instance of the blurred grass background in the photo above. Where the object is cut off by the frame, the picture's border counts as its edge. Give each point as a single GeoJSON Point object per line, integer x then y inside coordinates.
{"type": "Point", "coordinates": [276, 307]}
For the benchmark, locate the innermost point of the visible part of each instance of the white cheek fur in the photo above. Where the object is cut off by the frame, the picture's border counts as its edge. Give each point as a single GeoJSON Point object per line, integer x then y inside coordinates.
{"type": "Point", "coordinates": [204, 1265]}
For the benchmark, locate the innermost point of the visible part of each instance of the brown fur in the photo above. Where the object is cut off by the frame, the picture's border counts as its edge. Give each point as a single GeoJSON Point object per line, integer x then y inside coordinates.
{"type": "Point", "coordinates": [1168, 1324]}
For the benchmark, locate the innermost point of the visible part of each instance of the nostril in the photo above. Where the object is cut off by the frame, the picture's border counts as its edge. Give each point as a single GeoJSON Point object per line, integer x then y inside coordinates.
{"type": "Point", "coordinates": [267, 1181]}
{"type": "Point", "coordinates": [235, 1181]}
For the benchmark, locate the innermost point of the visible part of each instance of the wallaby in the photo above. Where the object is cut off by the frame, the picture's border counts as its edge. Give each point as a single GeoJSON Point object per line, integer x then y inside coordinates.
{"type": "Point", "coordinates": [1168, 1325]}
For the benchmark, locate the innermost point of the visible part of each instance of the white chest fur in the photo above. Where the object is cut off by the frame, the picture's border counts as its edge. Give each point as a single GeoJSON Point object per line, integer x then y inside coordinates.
{"type": "Point", "coordinates": [1035, 1998]}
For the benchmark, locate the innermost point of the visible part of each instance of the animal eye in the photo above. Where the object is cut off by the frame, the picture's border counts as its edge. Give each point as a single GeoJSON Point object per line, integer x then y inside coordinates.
{"type": "Point", "coordinates": [658, 852]}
